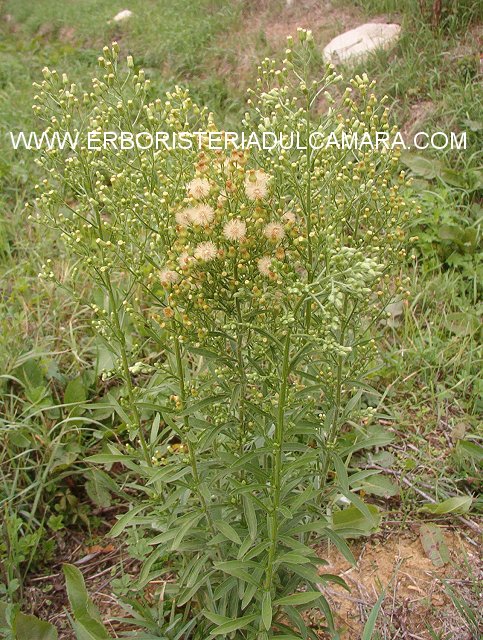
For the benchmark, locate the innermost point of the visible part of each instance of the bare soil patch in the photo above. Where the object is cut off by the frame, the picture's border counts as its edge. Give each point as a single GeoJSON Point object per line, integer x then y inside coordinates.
{"type": "Point", "coordinates": [266, 27]}
{"type": "Point", "coordinates": [416, 599]}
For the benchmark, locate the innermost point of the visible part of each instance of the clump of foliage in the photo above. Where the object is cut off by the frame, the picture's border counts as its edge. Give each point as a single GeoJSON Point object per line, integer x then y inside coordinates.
{"type": "Point", "coordinates": [253, 281]}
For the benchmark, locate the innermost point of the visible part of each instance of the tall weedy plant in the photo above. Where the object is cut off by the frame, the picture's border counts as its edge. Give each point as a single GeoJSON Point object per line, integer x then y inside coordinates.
{"type": "Point", "coordinates": [252, 282]}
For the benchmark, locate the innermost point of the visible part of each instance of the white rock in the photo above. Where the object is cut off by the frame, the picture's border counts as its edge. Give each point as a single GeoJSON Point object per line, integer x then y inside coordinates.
{"type": "Point", "coordinates": [359, 42]}
{"type": "Point", "coordinates": [125, 14]}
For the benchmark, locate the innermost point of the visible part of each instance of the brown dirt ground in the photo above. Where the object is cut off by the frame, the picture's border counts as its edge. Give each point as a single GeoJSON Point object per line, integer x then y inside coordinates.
{"type": "Point", "coordinates": [99, 563]}
{"type": "Point", "coordinates": [415, 592]}
{"type": "Point", "coordinates": [393, 559]}
{"type": "Point", "coordinates": [266, 28]}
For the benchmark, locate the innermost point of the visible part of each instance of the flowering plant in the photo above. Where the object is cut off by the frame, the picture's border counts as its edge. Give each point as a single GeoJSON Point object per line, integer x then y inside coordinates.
{"type": "Point", "coordinates": [252, 281]}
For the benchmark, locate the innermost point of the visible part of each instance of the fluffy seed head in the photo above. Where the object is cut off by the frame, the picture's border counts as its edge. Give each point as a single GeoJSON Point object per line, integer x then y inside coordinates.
{"type": "Point", "coordinates": [274, 232]}
{"type": "Point", "coordinates": [235, 230]}
{"type": "Point", "coordinates": [184, 260]}
{"type": "Point", "coordinates": [289, 217]}
{"type": "Point", "coordinates": [168, 276]}
{"type": "Point", "coordinates": [198, 188]}
{"type": "Point", "coordinates": [205, 251]}
{"type": "Point", "coordinates": [264, 265]}
{"type": "Point", "coordinates": [256, 184]}
{"type": "Point", "coordinates": [182, 218]}
{"type": "Point", "coordinates": [201, 215]}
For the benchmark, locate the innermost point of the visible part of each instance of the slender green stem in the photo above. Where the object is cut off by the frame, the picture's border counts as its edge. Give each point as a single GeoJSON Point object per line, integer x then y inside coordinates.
{"type": "Point", "coordinates": [330, 438]}
{"type": "Point", "coordinates": [186, 425]}
{"type": "Point", "coordinates": [127, 374]}
{"type": "Point", "coordinates": [243, 379]}
{"type": "Point", "coordinates": [308, 218]}
{"type": "Point", "coordinates": [122, 346]}
{"type": "Point", "coordinates": [277, 464]}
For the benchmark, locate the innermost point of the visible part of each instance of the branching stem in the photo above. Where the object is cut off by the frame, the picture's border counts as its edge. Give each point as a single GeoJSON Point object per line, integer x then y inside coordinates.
{"type": "Point", "coordinates": [277, 464]}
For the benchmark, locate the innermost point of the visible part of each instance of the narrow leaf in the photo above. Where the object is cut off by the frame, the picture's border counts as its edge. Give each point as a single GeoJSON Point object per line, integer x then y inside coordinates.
{"type": "Point", "coordinates": [233, 625]}
{"type": "Point", "coordinates": [228, 531]}
{"type": "Point", "coordinates": [458, 504]}
{"type": "Point", "coordinates": [368, 632]}
{"type": "Point", "coordinates": [267, 610]}
{"type": "Point", "coordinates": [304, 597]}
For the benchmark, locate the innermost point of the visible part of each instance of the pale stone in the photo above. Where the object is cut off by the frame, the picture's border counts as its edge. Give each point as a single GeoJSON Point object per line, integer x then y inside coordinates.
{"type": "Point", "coordinates": [359, 42]}
{"type": "Point", "coordinates": [125, 14]}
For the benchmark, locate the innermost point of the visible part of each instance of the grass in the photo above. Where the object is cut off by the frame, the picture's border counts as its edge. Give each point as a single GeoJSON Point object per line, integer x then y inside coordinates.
{"type": "Point", "coordinates": [432, 354]}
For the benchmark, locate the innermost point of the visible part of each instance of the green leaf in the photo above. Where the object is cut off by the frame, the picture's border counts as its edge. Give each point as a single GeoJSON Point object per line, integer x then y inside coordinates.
{"type": "Point", "coordinates": [470, 448]}
{"type": "Point", "coordinates": [353, 518]}
{"type": "Point", "coordinates": [190, 523]}
{"type": "Point", "coordinates": [238, 569]}
{"type": "Point", "coordinates": [244, 547]}
{"type": "Point", "coordinates": [125, 519]}
{"type": "Point", "coordinates": [88, 630]}
{"type": "Point", "coordinates": [88, 624]}
{"type": "Point", "coordinates": [434, 544]}
{"type": "Point", "coordinates": [456, 505]}
{"type": "Point", "coordinates": [363, 508]}
{"type": "Point", "coordinates": [26, 626]}
{"type": "Point", "coordinates": [293, 558]}
{"type": "Point", "coordinates": [250, 516]}
{"type": "Point", "coordinates": [4, 609]}
{"type": "Point", "coordinates": [379, 485]}
{"type": "Point", "coordinates": [233, 625]}
{"type": "Point", "coordinates": [341, 472]}
{"type": "Point", "coordinates": [308, 573]}
{"type": "Point", "coordinates": [304, 597]}
{"type": "Point", "coordinates": [97, 488]}
{"type": "Point", "coordinates": [228, 531]}
{"type": "Point", "coordinates": [201, 404]}
{"type": "Point", "coordinates": [107, 458]}
{"type": "Point", "coordinates": [216, 618]}
{"type": "Point", "coordinates": [341, 545]}
{"type": "Point", "coordinates": [330, 577]}
{"type": "Point", "coordinates": [170, 473]}
{"type": "Point", "coordinates": [75, 391]}
{"type": "Point", "coordinates": [454, 178]}
{"type": "Point", "coordinates": [378, 439]}
{"type": "Point", "coordinates": [425, 167]}
{"type": "Point", "coordinates": [77, 593]}
{"type": "Point", "coordinates": [267, 610]}
{"type": "Point", "coordinates": [30, 373]}
{"type": "Point", "coordinates": [188, 594]}
{"type": "Point", "coordinates": [461, 323]}
{"type": "Point", "coordinates": [368, 632]}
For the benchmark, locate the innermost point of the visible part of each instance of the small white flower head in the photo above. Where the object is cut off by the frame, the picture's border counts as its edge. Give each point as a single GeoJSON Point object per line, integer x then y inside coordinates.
{"type": "Point", "coordinates": [182, 218]}
{"type": "Point", "coordinates": [206, 251]}
{"type": "Point", "coordinates": [256, 184]}
{"type": "Point", "coordinates": [274, 231]}
{"type": "Point", "coordinates": [184, 260]}
{"type": "Point", "coordinates": [201, 215]}
{"type": "Point", "coordinates": [235, 230]}
{"type": "Point", "coordinates": [168, 277]}
{"type": "Point", "coordinates": [289, 217]}
{"type": "Point", "coordinates": [264, 265]}
{"type": "Point", "coordinates": [198, 188]}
